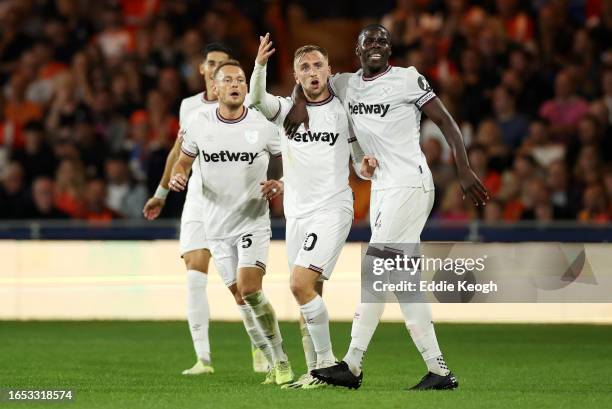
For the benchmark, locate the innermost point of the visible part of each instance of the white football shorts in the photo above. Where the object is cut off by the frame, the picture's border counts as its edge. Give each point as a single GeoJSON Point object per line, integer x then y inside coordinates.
{"type": "Point", "coordinates": [247, 250]}
{"type": "Point", "coordinates": [315, 242]}
{"type": "Point", "coordinates": [398, 215]}
{"type": "Point", "coordinates": [192, 237]}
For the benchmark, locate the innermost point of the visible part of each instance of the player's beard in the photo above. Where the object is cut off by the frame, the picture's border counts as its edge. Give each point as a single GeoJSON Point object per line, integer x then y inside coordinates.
{"type": "Point", "coordinates": [313, 94]}
{"type": "Point", "coordinates": [232, 104]}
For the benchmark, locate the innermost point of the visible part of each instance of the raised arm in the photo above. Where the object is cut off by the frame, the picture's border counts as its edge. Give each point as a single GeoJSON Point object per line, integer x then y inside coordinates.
{"type": "Point", "coordinates": [470, 183]}
{"type": "Point", "coordinates": [266, 103]}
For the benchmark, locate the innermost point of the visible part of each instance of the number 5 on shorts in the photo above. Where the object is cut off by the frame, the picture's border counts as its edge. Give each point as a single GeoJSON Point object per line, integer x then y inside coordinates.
{"type": "Point", "coordinates": [246, 241]}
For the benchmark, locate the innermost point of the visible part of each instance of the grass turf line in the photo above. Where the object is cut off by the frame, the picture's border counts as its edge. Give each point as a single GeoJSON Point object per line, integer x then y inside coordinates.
{"type": "Point", "coordinates": [122, 364]}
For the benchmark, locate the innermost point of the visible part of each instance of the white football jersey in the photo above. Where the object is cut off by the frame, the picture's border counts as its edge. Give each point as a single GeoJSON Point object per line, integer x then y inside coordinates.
{"type": "Point", "coordinates": [385, 113]}
{"type": "Point", "coordinates": [316, 162]}
{"type": "Point", "coordinates": [192, 209]}
{"type": "Point", "coordinates": [233, 157]}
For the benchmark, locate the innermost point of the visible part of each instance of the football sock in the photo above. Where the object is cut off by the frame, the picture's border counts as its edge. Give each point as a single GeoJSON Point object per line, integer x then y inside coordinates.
{"type": "Point", "coordinates": [417, 317]}
{"type": "Point", "coordinates": [198, 313]}
{"type": "Point", "coordinates": [255, 335]}
{"type": "Point", "coordinates": [267, 323]}
{"type": "Point", "coordinates": [317, 320]}
{"type": "Point", "coordinates": [365, 322]}
{"type": "Point", "coordinates": [309, 349]}
{"type": "Point", "coordinates": [437, 365]}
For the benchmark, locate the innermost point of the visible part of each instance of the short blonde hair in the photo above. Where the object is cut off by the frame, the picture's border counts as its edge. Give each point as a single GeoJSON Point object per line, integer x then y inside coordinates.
{"type": "Point", "coordinates": [300, 52]}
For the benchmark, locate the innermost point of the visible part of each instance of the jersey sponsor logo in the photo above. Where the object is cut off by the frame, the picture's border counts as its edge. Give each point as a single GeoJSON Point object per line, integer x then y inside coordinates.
{"type": "Point", "coordinates": [376, 109]}
{"type": "Point", "coordinates": [309, 136]}
{"type": "Point", "coordinates": [227, 156]}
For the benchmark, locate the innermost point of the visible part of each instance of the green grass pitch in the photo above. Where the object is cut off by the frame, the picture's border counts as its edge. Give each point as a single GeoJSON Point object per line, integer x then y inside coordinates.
{"type": "Point", "coordinates": [121, 364]}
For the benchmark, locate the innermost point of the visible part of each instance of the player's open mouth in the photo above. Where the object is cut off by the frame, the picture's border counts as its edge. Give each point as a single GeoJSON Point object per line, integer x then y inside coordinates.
{"type": "Point", "coordinates": [314, 83]}
{"type": "Point", "coordinates": [234, 94]}
{"type": "Point", "coordinates": [375, 56]}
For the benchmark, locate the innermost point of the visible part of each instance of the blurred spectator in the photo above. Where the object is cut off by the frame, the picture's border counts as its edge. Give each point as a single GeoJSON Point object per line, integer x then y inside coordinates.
{"type": "Point", "coordinates": [41, 205]}
{"type": "Point", "coordinates": [82, 81]}
{"type": "Point", "coordinates": [36, 156]}
{"type": "Point", "coordinates": [479, 161]}
{"type": "Point", "coordinates": [558, 183]}
{"type": "Point", "coordinates": [442, 172]}
{"type": "Point", "coordinates": [115, 40]}
{"type": "Point", "coordinates": [536, 204]}
{"type": "Point", "coordinates": [513, 126]}
{"type": "Point", "coordinates": [474, 105]}
{"type": "Point", "coordinates": [17, 108]}
{"type": "Point", "coordinates": [403, 24]}
{"type": "Point", "coordinates": [94, 203]}
{"type": "Point", "coordinates": [566, 109]}
{"type": "Point", "coordinates": [595, 206]}
{"type": "Point", "coordinates": [607, 181]}
{"type": "Point", "coordinates": [489, 137]}
{"type": "Point", "coordinates": [493, 212]}
{"type": "Point", "coordinates": [514, 182]}
{"type": "Point", "coordinates": [125, 196]}
{"type": "Point", "coordinates": [70, 186]}
{"type": "Point", "coordinates": [606, 86]}
{"type": "Point", "coordinates": [588, 166]}
{"type": "Point", "coordinates": [517, 24]}
{"type": "Point", "coordinates": [192, 47]}
{"type": "Point", "coordinates": [528, 83]}
{"type": "Point", "coordinates": [539, 145]}
{"type": "Point", "coordinates": [12, 192]}
{"type": "Point", "coordinates": [454, 207]}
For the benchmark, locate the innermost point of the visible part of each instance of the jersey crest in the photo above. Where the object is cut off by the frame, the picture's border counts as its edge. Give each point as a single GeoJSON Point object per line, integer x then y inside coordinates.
{"type": "Point", "coordinates": [251, 136]}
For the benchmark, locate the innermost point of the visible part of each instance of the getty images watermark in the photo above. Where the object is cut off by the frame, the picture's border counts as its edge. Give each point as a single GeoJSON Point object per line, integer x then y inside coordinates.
{"type": "Point", "coordinates": [404, 265]}
{"type": "Point", "coordinates": [485, 273]}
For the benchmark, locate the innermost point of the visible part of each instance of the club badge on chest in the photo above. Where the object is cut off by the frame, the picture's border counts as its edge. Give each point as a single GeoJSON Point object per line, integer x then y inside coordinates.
{"type": "Point", "coordinates": [251, 136]}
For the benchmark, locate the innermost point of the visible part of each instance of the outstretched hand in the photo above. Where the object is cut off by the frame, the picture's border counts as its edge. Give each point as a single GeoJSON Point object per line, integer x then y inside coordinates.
{"type": "Point", "coordinates": [473, 187]}
{"type": "Point", "coordinates": [265, 50]}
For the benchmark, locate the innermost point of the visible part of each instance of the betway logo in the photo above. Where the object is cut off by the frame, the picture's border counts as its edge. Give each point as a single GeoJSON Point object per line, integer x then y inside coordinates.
{"type": "Point", "coordinates": [361, 108]}
{"type": "Point", "coordinates": [309, 136]}
{"type": "Point", "coordinates": [227, 156]}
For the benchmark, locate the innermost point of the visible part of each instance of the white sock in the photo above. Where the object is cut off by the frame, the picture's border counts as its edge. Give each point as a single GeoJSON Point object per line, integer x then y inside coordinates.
{"type": "Point", "coordinates": [309, 350]}
{"type": "Point", "coordinates": [198, 313]}
{"type": "Point", "coordinates": [365, 322]}
{"type": "Point", "coordinates": [267, 323]}
{"type": "Point", "coordinates": [417, 317]}
{"type": "Point", "coordinates": [317, 320]}
{"type": "Point", "coordinates": [255, 335]}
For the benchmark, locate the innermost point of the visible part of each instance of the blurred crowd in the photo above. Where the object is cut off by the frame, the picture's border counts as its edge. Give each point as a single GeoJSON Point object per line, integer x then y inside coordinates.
{"type": "Point", "coordinates": [90, 91]}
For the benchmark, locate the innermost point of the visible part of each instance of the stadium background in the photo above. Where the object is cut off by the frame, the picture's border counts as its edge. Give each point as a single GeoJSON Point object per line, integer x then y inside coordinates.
{"type": "Point", "coordinates": [89, 110]}
{"type": "Point", "coordinates": [89, 96]}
